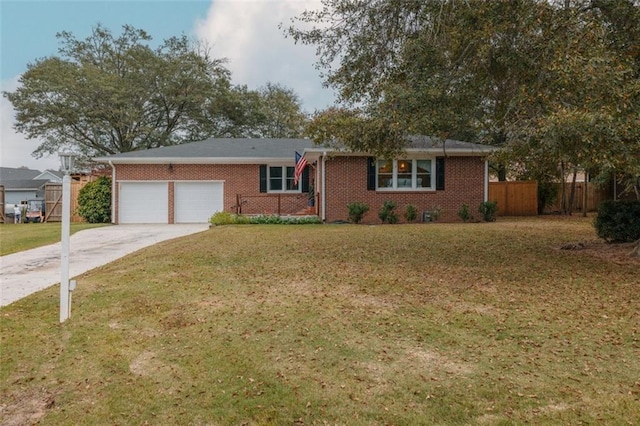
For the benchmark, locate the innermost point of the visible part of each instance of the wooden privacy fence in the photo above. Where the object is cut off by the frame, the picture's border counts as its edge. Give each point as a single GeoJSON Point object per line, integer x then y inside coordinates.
{"type": "Point", "coordinates": [515, 198]}
{"type": "Point", "coordinates": [53, 201]}
{"type": "Point", "coordinates": [595, 195]}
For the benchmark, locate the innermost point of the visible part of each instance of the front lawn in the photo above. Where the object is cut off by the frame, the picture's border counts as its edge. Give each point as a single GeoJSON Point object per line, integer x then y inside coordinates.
{"type": "Point", "coordinates": [25, 236]}
{"type": "Point", "coordinates": [487, 323]}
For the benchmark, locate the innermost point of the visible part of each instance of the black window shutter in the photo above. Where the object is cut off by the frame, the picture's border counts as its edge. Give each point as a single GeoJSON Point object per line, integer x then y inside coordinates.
{"type": "Point", "coordinates": [371, 174]}
{"type": "Point", "coordinates": [305, 179]}
{"type": "Point", "coordinates": [440, 173]}
{"type": "Point", "coordinates": [263, 178]}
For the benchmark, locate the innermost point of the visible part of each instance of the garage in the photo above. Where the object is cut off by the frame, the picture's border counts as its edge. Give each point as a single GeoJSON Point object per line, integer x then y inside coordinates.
{"type": "Point", "coordinates": [196, 202]}
{"type": "Point", "coordinates": [143, 202]}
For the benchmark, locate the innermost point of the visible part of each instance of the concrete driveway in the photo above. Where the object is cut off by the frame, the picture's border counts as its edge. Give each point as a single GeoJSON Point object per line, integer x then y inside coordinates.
{"type": "Point", "coordinates": [27, 272]}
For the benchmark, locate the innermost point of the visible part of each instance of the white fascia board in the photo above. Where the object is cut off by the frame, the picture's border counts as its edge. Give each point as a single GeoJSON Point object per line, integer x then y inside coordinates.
{"type": "Point", "coordinates": [194, 160]}
{"type": "Point", "coordinates": [454, 152]}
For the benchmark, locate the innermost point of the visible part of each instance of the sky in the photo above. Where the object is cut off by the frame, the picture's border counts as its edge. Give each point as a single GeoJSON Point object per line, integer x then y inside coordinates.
{"type": "Point", "coordinates": [243, 31]}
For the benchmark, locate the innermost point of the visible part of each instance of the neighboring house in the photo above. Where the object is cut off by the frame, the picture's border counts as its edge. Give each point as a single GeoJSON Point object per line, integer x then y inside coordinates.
{"type": "Point", "coordinates": [51, 176]}
{"type": "Point", "coordinates": [21, 184]}
{"type": "Point", "coordinates": [189, 182]}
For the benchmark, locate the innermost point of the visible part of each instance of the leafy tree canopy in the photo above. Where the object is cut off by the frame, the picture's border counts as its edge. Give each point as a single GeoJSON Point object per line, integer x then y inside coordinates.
{"type": "Point", "coordinates": [110, 94]}
{"type": "Point", "coordinates": [554, 80]}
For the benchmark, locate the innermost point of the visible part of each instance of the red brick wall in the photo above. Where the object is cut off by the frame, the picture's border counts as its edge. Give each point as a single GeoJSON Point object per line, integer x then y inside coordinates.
{"type": "Point", "coordinates": [347, 182]}
{"type": "Point", "coordinates": [239, 179]}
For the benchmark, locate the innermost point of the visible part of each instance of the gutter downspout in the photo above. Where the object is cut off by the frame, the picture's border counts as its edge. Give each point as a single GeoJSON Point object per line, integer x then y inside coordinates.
{"type": "Point", "coordinates": [324, 185]}
{"type": "Point", "coordinates": [113, 192]}
{"type": "Point", "coordinates": [486, 181]}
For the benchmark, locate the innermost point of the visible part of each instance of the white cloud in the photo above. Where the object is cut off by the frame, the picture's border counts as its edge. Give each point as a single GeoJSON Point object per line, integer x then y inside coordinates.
{"type": "Point", "coordinates": [247, 34]}
{"type": "Point", "coordinates": [15, 149]}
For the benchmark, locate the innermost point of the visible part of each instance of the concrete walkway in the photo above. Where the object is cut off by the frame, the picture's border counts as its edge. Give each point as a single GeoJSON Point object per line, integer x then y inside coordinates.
{"type": "Point", "coordinates": [27, 272]}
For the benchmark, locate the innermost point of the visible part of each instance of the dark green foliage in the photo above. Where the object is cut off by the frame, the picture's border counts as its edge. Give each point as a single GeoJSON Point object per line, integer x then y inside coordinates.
{"type": "Point", "coordinates": [387, 213]}
{"type": "Point", "coordinates": [488, 210]}
{"type": "Point", "coordinates": [410, 213]}
{"type": "Point", "coordinates": [357, 211]}
{"type": "Point", "coordinates": [464, 213]}
{"type": "Point", "coordinates": [547, 194]}
{"type": "Point", "coordinates": [618, 221]}
{"type": "Point", "coordinates": [94, 201]}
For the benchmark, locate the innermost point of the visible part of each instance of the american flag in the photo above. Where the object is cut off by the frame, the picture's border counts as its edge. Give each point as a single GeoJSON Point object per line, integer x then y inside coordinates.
{"type": "Point", "coordinates": [301, 163]}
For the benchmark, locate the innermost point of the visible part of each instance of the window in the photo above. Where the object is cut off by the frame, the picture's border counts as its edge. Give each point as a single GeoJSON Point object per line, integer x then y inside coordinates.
{"type": "Point", "coordinates": [280, 179]}
{"type": "Point", "coordinates": [405, 175]}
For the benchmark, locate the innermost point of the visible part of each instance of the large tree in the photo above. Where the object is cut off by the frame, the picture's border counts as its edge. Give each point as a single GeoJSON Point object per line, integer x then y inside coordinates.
{"type": "Point", "coordinates": [283, 114]}
{"type": "Point", "coordinates": [554, 80]}
{"type": "Point", "coordinates": [107, 94]}
{"type": "Point", "coordinates": [272, 111]}
{"type": "Point", "coordinates": [445, 68]}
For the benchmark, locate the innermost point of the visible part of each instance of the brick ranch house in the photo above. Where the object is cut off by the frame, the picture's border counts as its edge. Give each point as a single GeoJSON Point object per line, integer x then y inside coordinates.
{"type": "Point", "coordinates": [188, 183]}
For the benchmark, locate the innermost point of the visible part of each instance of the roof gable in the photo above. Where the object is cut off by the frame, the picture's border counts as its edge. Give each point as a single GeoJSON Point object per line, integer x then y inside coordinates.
{"type": "Point", "coordinates": [51, 175]}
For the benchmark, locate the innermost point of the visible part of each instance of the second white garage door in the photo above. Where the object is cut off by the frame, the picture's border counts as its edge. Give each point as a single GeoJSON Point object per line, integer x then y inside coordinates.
{"type": "Point", "coordinates": [144, 202]}
{"type": "Point", "coordinates": [196, 202]}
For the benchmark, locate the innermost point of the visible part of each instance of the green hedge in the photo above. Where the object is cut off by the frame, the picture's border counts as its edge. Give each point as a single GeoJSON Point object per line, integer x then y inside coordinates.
{"type": "Point", "coordinates": [618, 221]}
{"type": "Point", "coordinates": [94, 201]}
{"type": "Point", "coordinates": [226, 218]}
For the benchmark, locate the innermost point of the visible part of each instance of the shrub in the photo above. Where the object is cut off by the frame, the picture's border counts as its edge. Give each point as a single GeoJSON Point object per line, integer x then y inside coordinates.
{"type": "Point", "coordinates": [547, 194]}
{"type": "Point", "coordinates": [410, 213]}
{"type": "Point", "coordinates": [226, 218]}
{"type": "Point", "coordinates": [618, 221]}
{"type": "Point", "coordinates": [387, 213]}
{"type": "Point", "coordinates": [94, 201]}
{"type": "Point", "coordinates": [464, 213]}
{"type": "Point", "coordinates": [488, 210]}
{"type": "Point", "coordinates": [283, 220]}
{"type": "Point", "coordinates": [222, 218]}
{"type": "Point", "coordinates": [357, 211]}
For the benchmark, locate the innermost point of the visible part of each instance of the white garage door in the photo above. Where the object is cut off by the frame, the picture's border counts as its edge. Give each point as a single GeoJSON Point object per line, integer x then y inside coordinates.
{"type": "Point", "coordinates": [143, 202]}
{"type": "Point", "coordinates": [196, 202]}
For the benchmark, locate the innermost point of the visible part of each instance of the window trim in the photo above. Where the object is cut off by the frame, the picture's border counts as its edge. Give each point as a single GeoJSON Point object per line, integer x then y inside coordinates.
{"type": "Point", "coordinates": [284, 168]}
{"type": "Point", "coordinates": [414, 173]}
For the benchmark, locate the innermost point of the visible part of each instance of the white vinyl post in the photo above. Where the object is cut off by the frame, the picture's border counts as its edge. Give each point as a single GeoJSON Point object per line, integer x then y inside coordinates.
{"type": "Point", "coordinates": [65, 299]}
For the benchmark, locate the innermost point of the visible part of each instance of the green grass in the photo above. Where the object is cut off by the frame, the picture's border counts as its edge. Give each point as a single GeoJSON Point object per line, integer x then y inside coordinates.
{"type": "Point", "coordinates": [25, 236]}
{"type": "Point", "coordinates": [338, 324]}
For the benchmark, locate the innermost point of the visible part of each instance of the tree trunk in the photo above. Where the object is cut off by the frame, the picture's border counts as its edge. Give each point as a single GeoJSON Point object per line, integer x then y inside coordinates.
{"type": "Point", "coordinates": [585, 195]}
{"type": "Point", "coordinates": [572, 196]}
{"type": "Point", "coordinates": [636, 249]}
{"type": "Point", "coordinates": [563, 204]}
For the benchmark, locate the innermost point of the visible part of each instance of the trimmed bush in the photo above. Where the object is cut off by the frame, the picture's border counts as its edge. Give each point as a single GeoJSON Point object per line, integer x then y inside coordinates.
{"type": "Point", "coordinates": [222, 218]}
{"type": "Point", "coordinates": [464, 213]}
{"type": "Point", "coordinates": [488, 210]}
{"type": "Point", "coordinates": [226, 218]}
{"type": "Point", "coordinates": [357, 211]}
{"type": "Point", "coordinates": [387, 213]}
{"type": "Point", "coordinates": [618, 221]}
{"type": "Point", "coordinates": [94, 201]}
{"type": "Point", "coordinates": [410, 213]}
